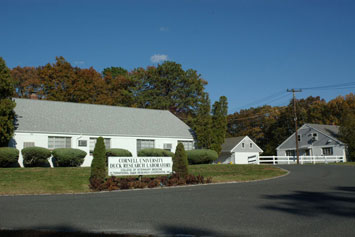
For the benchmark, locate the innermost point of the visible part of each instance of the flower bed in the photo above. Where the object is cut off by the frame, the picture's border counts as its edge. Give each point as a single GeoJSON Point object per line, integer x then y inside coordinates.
{"type": "Point", "coordinates": [116, 183]}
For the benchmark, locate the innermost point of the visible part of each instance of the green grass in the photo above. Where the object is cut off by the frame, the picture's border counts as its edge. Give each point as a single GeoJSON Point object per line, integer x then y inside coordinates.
{"type": "Point", "coordinates": [225, 173]}
{"type": "Point", "coordinates": [44, 180]}
{"type": "Point", "coordinates": [75, 180]}
{"type": "Point", "coordinates": [345, 163]}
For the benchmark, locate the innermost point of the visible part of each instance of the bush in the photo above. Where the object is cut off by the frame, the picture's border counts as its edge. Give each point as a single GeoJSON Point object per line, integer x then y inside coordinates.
{"type": "Point", "coordinates": [180, 165]}
{"type": "Point", "coordinates": [8, 157]}
{"type": "Point", "coordinates": [98, 165]}
{"type": "Point", "coordinates": [68, 157]}
{"type": "Point", "coordinates": [35, 156]}
{"type": "Point", "coordinates": [117, 152]}
{"type": "Point", "coordinates": [202, 156]}
{"type": "Point", "coordinates": [155, 152]}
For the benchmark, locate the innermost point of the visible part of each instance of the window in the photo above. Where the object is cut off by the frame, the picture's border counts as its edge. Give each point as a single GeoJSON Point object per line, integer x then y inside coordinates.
{"type": "Point", "coordinates": [251, 145]}
{"type": "Point", "coordinates": [143, 144]}
{"type": "Point", "coordinates": [243, 145]}
{"type": "Point", "coordinates": [188, 145]}
{"type": "Point", "coordinates": [327, 151]}
{"type": "Point", "coordinates": [168, 146]}
{"type": "Point", "coordinates": [83, 143]}
{"type": "Point", "coordinates": [107, 142]}
{"type": "Point", "coordinates": [28, 144]}
{"type": "Point", "coordinates": [59, 142]}
{"type": "Point", "coordinates": [315, 136]}
{"type": "Point", "coordinates": [299, 138]}
{"type": "Point", "coordinates": [290, 153]}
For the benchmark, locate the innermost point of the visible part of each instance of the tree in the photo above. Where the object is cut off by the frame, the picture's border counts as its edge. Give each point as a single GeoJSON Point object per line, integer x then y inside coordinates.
{"type": "Point", "coordinates": [26, 81]}
{"type": "Point", "coordinates": [219, 123]}
{"type": "Point", "coordinates": [202, 123]}
{"type": "Point", "coordinates": [114, 72]}
{"type": "Point", "coordinates": [7, 114]}
{"type": "Point", "coordinates": [98, 165]}
{"type": "Point", "coordinates": [180, 163]}
{"type": "Point", "coordinates": [347, 134]}
{"type": "Point", "coordinates": [168, 86]}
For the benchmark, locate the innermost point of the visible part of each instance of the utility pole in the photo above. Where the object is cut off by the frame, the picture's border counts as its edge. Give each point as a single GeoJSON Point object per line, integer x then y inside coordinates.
{"type": "Point", "coordinates": [295, 119]}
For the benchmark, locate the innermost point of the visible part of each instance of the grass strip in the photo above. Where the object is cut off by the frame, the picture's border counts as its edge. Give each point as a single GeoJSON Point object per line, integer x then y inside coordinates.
{"type": "Point", "coordinates": [76, 180]}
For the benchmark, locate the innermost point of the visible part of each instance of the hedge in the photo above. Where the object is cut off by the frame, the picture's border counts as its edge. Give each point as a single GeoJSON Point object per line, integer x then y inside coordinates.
{"type": "Point", "coordinates": [35, 156]}
{"type": "Point", "coordinates": [68, 157]}
{"type": "Point", "coordinates": [201, 156]}
{"type": "Point", "coordinates": [155, 152]}
{"type": "Point", "coordinates": [117, 152]}
{"type": "Point", "coordinates": [8, 157]}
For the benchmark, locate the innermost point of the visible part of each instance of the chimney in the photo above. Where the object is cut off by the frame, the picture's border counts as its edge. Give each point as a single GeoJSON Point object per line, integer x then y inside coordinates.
{"type": "Point", "coordinates": [33, 96]}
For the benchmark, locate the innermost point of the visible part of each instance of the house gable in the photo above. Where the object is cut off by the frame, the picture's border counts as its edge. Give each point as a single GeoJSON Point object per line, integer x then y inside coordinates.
{"type": "Point", "coordinates": [306, 133]}
{"type": "Point", "coordinates": [246, 141]}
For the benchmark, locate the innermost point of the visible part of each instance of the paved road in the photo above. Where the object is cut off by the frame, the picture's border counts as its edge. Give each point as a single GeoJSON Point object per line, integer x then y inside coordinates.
{"type": "Point", "coordinates": [313, 200]}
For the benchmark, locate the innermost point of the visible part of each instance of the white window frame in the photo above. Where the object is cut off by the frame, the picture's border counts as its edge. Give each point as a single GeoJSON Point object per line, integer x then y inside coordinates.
{"type": "Point", "coordinates": [188, 145]}
{"type": "Point", "coordinates": [251, 145]}
{"type": "Point", "coordinates": [55, 142]}
{"type": "Point", "coordinates": [330, 149]}
{"type": "Point", "coordinates": [92, 144]}
{"type": "Point", "coordinates": [243, 145]}
{"type": "Point", "coordinates": [28, 144]}
{"type": "Point", "coordinates": [144, 144]}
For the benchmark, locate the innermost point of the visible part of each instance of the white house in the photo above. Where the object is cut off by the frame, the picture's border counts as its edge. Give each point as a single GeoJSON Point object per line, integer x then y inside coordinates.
{"type": "Point", "coordinates": [239, 150]}
{"type": "Point", "coordinates": [53, 124]}
{"type": "Point", "coordinates": [314, 140]}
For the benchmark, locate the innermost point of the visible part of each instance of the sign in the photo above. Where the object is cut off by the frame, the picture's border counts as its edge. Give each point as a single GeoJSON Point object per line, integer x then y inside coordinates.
{"type": "Point", "coordinates": [122, 166]}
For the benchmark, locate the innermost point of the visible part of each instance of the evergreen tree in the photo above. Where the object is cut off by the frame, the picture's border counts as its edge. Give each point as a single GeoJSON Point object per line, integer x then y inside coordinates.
{"type": "Point", "coordinates": [7, 114]}
{"type": "Point", "coordinates": [98, 165]}
{"type": "Point", "coordinates": [202, 123]}
{"type": "Point", "coordinates": [347, 134]}
{"type": "Point", "coordinates": [180, 163]}
{"type": "Point", "coordinates": [219, 123]}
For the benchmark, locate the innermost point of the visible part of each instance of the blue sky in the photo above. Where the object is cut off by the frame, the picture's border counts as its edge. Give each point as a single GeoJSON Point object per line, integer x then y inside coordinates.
{"type": "Point", "coordinates": [250, 51]}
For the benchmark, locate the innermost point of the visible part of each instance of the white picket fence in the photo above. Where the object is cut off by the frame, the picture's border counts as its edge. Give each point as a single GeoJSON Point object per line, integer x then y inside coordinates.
{"type": "Point", "coordinates": [303, 159]}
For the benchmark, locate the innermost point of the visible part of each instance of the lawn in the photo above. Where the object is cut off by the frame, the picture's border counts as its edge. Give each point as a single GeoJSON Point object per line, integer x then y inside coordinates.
{"type": "Point", "coordinates": [345, 163]}
{"type": "Point", "coordinates": [76, 180]}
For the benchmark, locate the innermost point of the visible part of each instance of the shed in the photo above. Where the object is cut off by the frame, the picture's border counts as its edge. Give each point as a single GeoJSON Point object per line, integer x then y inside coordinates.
{"type": "Point", "coordinates": [239, 150]}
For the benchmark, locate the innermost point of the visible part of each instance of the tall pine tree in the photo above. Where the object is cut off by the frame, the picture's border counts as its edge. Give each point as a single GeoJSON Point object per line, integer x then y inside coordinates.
{"type": "Point", "coordinates": [7, 114]}
{"type": "Point", "coordinates": [202, 123]}
{"type": "Point", "coordinates": [219, 123]}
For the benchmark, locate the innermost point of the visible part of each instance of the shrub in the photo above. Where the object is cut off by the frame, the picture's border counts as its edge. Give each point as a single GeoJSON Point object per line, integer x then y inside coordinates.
{"type": "Point", "coordinates": [155, 152]}
{"type": "Point", "coordinates": [8, 157]}
{"type": "Point", "coordinates": [180, 165]}
{"type": "Point", "coordinates": [35, 156]}
{"type": "Point", "coordinates": [98, 165]}
{"type": "Point", "coordinates": [202, 156]}
{"type": "Point", "coordinates": [68, 157]}
{"type": "Point", "coordinates": [117, 152]}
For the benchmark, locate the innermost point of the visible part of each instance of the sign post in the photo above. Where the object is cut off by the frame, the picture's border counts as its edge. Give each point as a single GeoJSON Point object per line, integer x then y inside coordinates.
{"type": "Point", "coordinates": [125, 166]}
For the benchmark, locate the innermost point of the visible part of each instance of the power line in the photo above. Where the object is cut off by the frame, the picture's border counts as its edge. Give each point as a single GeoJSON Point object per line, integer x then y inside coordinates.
{"type": "Point", "coordinates": [333, 86]}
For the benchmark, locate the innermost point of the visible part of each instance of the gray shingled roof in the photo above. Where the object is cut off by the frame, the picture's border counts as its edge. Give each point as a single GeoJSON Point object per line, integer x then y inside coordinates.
{"type": "Point", "coordinates": [330, 130]}
{"type": "Point", "coordinates": [230, 143]}
{"type": "Point", "coordinates": [73, 118]}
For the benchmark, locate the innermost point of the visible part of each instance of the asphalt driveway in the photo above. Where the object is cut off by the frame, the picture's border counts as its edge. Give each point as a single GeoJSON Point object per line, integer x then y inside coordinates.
{"type": "Point", "coordinates": [313, 200]}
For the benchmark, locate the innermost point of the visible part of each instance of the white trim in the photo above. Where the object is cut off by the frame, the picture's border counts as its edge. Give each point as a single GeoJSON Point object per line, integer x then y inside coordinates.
{"type": "Point", "coordinates": [99, 135]}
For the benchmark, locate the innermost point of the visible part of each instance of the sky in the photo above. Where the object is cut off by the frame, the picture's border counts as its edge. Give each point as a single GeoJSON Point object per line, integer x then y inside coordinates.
{"type": "Point", "coordinates": [250, 51]}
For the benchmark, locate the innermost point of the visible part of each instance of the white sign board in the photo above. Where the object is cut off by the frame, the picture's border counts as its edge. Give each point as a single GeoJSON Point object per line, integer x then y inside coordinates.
{"type": "Point", "coordinates": [121, 166]}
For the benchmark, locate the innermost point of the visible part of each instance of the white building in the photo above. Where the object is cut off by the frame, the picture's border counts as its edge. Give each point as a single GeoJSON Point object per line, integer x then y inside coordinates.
{"type": "Point", "coordinates": [239, 150]}
{"type": "Point", "coordinates": [53, 124]}
{"type": "Point", "coordinates": [314, 140]}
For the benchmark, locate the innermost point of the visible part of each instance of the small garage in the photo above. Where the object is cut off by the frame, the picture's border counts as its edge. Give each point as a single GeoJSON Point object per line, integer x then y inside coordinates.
{"type": "Point", "coordinates": [239, 150]}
